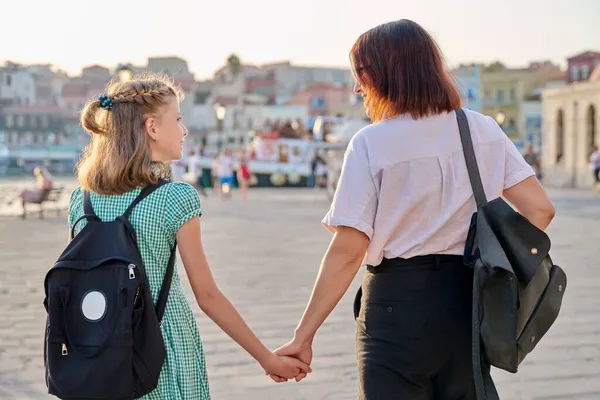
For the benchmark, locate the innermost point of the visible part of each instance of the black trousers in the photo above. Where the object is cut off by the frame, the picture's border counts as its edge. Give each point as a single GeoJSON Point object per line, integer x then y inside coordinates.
{"type": "Point", "coordinates": [413, 337]}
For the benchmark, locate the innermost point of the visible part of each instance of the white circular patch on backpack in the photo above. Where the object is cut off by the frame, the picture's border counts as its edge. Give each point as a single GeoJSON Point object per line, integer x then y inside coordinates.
{"type": "Point", "coordinates": [93, 305]}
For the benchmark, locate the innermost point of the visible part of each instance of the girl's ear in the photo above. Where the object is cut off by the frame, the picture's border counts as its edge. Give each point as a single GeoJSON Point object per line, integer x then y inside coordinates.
{"type": "Point", "coordinates": [150, 128]}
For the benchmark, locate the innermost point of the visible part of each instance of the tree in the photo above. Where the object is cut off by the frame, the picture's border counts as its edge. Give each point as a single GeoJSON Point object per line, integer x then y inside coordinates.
{"type": "Point", "coordinates": [235, 68]}
{"type": "Point", "coordinates": [234, 65]}
{"type": "Point", "coordinates": [495, 66]}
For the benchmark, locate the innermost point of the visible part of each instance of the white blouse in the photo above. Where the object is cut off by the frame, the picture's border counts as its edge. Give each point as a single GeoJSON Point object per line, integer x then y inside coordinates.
{"type": "Point", "coordinates": [404, 183]}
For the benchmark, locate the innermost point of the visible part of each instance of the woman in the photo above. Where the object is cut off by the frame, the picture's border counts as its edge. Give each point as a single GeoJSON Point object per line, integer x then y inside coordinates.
{"type": "Point", "coordinates": [136, 131]}
{"type": "Point", "coordinates": [403, 206]}
{"type": "Point", "coordinates": [44, 184]}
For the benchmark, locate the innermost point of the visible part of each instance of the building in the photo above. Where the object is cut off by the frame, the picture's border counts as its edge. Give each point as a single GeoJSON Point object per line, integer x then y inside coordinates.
{"type": "Point", "coordinates": [262, 88]}
{"type": "Point", "coordinates": [570, 124]}
{"type": "Point", "coordinates": [17, 85]}
{"type": "Point", "coordinates": [581, 66]}
{"type": "Point", "coordinates": [468, 79]}
{"type": "Point", "coordinates": [323, 99]}
{"type": "Point", "coordinates": [291, 79]}
{"type": "Point", "coordinates": [531, 119]}
{"type": "Point", "coordinates": [96, 73]}
{"type": "Point", "coordinates": [504, 90]}
{"type": "Point", "coordinates": [76, 93]}
{"type": "Point", "coordinates": [36, 135]}
{"type": "Point", "coordinates": [172, 66]}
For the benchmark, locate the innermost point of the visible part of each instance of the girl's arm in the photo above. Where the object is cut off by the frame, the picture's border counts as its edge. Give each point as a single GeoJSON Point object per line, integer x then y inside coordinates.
{"type": "Point", "coordinates": [214, 303]}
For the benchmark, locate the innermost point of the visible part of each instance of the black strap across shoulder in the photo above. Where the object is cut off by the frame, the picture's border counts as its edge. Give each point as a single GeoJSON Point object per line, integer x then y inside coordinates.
{"type": "Point", "coordinates": [163, 295]}
{"type": "Point", "coordinates": [470, 159]}
{"type": "Point", "coordinates": [484, 385]}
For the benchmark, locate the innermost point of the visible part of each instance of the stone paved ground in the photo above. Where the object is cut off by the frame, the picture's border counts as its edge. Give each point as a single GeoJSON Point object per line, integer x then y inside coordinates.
{"type": "Point", "coordinates": [265, 253]}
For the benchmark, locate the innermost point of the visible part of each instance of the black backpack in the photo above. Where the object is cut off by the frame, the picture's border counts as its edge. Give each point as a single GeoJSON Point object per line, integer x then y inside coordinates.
{"type": "Point", "coordinates": [517, 289]}
{"type": "Point", "coordinates": [103, 337]}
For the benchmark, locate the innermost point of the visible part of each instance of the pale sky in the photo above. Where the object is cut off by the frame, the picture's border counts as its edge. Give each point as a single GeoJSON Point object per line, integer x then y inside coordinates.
{"type": "Point", "coordinates": [76, 33]}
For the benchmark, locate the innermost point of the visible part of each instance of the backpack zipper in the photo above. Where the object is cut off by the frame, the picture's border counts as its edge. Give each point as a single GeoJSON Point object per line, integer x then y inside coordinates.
{"type": "Point", "coordinates": [64, 350]}
{"type": "Point", "coordinates": [131, 267]}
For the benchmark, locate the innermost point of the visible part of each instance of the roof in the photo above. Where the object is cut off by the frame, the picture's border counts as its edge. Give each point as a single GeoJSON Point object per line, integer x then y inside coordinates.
{"type": "Point", "coordinates": [585, 54]}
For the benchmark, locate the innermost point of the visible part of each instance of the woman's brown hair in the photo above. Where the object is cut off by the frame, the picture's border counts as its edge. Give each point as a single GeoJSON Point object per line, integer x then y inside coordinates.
{"type": "Point", "coordinates": [117, 159]}
{"type": "Point", "coordinates": [401, 70]}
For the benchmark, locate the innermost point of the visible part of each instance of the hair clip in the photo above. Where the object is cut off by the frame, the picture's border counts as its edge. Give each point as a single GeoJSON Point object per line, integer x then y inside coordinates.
{"type": "Point", "coordinates": [106, 102]}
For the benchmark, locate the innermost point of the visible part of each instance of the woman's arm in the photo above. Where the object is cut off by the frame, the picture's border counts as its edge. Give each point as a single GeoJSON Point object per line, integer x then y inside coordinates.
{"type": "Point", "coordinates": [531, 200]}
{"type": "Point", "coordinates": [338, 268]}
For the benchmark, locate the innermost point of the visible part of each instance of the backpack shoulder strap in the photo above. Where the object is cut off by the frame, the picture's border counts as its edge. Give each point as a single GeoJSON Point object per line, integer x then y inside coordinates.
{"type": "Point", "coordinates": [143, 194]}
{"type": "Point", "coordinates": [161, 302]}
{"type": "Point", "coordinates": [470, 159]}
{"type": "Point", "coordinates": [88, 208]}
{"type": "Point", "coordinates": [163, 295]}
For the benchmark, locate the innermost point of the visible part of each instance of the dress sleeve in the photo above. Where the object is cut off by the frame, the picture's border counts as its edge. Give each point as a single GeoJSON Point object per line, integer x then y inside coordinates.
{"type": "Point", "coordinates": [516, 168]}
{"type": "Point", "coordinates": [183, 204]}
{"type": "Point", "coordinates": [75, 205]}
{"type": "Point", "coordinates": [355, 201]}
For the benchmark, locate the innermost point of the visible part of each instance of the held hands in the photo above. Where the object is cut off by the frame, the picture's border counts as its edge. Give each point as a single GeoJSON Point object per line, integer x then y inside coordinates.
{"type": "Point", "coordinates": [281, 368]}
{"type": "Point", "coordinates": [298, 350]}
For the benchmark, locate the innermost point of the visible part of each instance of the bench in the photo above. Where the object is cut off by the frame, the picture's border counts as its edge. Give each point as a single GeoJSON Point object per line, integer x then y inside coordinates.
{"type": "Point", "coordinates": [53, 195]}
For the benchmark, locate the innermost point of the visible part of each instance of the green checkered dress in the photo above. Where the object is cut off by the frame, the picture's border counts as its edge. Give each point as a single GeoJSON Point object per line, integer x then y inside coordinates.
{"type": "Point", "coordinates": [156, 220]}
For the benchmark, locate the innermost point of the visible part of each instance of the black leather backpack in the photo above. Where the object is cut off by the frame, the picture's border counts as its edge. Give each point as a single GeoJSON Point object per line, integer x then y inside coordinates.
{"type": "Point", "coordinates": [517, 290]}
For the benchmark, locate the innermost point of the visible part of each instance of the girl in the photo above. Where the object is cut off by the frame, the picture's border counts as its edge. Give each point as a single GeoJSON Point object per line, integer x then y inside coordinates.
{"type": "Point", "coordinates": [243, 174]}
{"type": "Point", "coordinates": [136, 131]}
{"type": "Point", "coordinates": [403, 205]}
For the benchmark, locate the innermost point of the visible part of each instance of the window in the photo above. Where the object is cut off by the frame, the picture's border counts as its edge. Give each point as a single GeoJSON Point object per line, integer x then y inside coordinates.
{"type": "Point", "coordinates": [8, 80]}
{"type": "Point", "coordinates": [20, 121]}
{"type": "Point", "coordinates": [10, 121]}
{"type": "Point", "coordinates": [513, 94]}
{"type": "Point", "coordinates": [339, 77]}
{"type": "Point", "coordinates": [575, 73]}
{"type": "Point", "coordinates": [585, 72]}
{"type": "Point", "coordinates": [511, 124]}
{"type": "Point", "coordinates": [500, 96]}
{"type": "Point", "coordinates": [27, 138]}
{"type": "Point", "coordinates": [471, 94]}
{"type": "Point", "coordinates": [317, 102]}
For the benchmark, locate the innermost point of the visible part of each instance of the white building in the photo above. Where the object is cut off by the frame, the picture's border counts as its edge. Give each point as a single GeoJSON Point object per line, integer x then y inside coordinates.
{"type": "Point", "coordinates": [570, 125]}
{"type": "Point", "coordinates": [17, 85]}
{"type": "Point", "coordinates": [531, 120]}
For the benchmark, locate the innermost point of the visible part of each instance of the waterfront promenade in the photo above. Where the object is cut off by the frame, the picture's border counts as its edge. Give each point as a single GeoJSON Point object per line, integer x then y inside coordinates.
{"type": "Point", "coordinates": [265, 254]}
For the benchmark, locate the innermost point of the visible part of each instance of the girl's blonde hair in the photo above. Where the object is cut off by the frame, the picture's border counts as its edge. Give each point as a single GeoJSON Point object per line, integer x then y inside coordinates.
{"type": "Point", "coordinates": [117, 159]}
